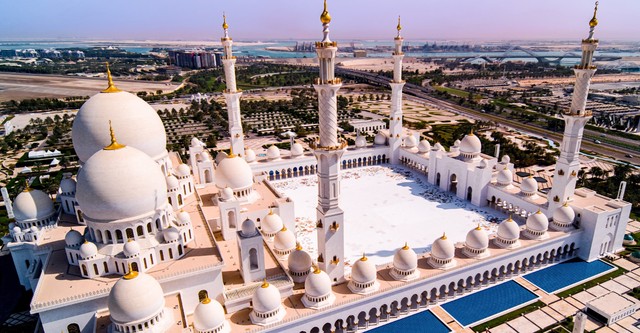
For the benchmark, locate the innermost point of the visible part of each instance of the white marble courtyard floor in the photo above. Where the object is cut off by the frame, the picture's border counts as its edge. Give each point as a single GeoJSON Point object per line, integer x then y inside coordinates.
{"type": "Point", "coordinates": [385, 207]}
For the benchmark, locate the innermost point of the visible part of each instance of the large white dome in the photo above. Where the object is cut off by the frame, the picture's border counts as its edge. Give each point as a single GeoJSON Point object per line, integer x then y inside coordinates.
{"type": "Point", "coordinates": [120, 184]}
{"type": "Point", "coordinates": [509, 230]}
{"type": "Point", "coordinates": [564, 215]}
{"type": "Point", "coordinates": [317, 284]}
{"type": "Point", "coordinates": [271, 224]}
{"type": "Point", "coordinates": [443, 248]}
{"type": "Point", "coordinates": [135, 297]}
{"type": "Point", "coordinates": [208, 315]}
{"type": "Point", "coordinates": [67, 185]}
{"type": "Point", "coordinates": [32, 205]}
{"type": "Point", "coordinates": [234, 172]}
{"type": "Point", "coordinates": [273, 153]}
{"type": "Point", "coordinates": [405, 259]}
{"type": "Point", "coordinates": [477, 239]}
{"type": "Point", "coordinates": [284, 240]}
{"type": "Point", "coordinates": [363, 271]}
{"type": "Point", "coordinates": [249, 155]}
{"type": "Point", "coordinates": [380, 139]}
{"type": "Point", "coordinates": [299, 261]}
{"type": "Point", "coordinates": [424, 147]}
{"type": "Point", "coordinates": [537, 222]}
{"type": "Point", "coordinates": [470, 144]}
{"type": "Point", "coordinates": [410, 141]}
{"type": "Point", "coordinates": [529, 185]}
{"type": "Point", "coordinates": [137, 122]}
{"type": "Point", "coordinates": [297, 150]}
{"type": "Point", "coordinates": [266, 298]}
{"type": "Point", "coordinates": [505, 177]}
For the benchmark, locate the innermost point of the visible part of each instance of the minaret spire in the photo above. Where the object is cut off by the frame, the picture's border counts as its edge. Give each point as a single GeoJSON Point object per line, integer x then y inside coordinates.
{"type": "Point", "coordinates": [395, 116]}
{"type": "Point", "coordinates": [111, 88]}
{"type": "Point", "coordinates": [231, 94]}
{"type": "Point", "coordinates": [575, 118]}
{"type": "Point", "coordinates": [328, 152]}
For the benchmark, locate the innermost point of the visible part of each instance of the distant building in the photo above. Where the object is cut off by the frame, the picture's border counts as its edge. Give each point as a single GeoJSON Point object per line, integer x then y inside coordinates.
{"type": "Point", "coordinates": [195, 58]}
{"type": "Point", "coordinates": [359, 53]}
{"type": "Point", "coordinates": [612, 307]}
{"type": "Point", "coordinates": [369, 126]}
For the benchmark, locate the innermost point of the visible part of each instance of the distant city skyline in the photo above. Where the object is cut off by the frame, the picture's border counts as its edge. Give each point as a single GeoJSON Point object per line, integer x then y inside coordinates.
{"type": "Point", "coordinates": [295, 19]}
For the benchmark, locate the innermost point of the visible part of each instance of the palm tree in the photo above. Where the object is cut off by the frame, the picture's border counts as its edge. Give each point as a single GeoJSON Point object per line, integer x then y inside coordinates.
{"type": "Point", "coordinates": [596, 172]}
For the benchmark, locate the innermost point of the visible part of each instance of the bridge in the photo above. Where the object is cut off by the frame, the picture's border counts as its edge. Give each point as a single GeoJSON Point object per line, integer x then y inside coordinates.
{"type": "Point", "coordinates": [516, 52]}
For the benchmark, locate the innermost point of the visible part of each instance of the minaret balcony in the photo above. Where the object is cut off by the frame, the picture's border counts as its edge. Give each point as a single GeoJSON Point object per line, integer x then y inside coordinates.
{"type": "Point", "coordinates": [326, 44]}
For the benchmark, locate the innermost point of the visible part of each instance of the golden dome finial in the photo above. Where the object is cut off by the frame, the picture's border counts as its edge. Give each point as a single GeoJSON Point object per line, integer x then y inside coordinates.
{"type": "Point", "coordinates": [111, 88]}
{"type": "Point", "coordinates": [265, 284]}
{"type": "Point", "coordinates": [316, 269]}
{"type": "Point", "coordinates": [406, 246]}
{"type": "Point", "coordinates": [298, 246]}
{"type": "Point", "coordinates": [539, 211]}
{"type": "Point", "coordinates": [444, 236]}
{"type": "Point", "coordinates": [325, 17]}
{"type": "Point", "coordinates": [225, 26]}
{"type": "Point", "coordinates": [594, 21]}
{"type": "Point", "coordinates": [132, 273]}
{"type": "Point", "coordinates": [364, 257]}
{"type": "Point", "coordinates": [399, 27]}
{"type": "Point", "coordinates": [231, 154]}
{"type": "Point", "coordinates": [27, 188]}
{"type": "Point", "coordinates": [114, 145]}
{"type": "Point", "coordinates": [205, 298]}
{"type": "Point", "coordinates": [510, 219]}
{"type": "Point", "coordinates": [478, 227]}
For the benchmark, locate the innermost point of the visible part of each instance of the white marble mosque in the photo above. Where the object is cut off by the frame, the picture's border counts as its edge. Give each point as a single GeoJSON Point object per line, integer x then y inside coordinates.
{"type": "Point", "coordinates": [140, 241]}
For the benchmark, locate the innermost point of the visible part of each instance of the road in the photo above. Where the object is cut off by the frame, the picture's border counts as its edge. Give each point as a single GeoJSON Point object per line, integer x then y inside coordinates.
{"type": "Point", "coordinates": [424, 93]}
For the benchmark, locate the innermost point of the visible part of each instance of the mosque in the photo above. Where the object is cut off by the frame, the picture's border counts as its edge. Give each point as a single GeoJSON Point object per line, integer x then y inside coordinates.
{"type": "Point", "coordinates": [140, 241]}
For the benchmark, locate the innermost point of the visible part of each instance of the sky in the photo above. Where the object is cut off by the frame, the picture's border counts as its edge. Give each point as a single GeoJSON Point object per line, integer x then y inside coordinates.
{"type": "Point", "coordinates": [299, 19]}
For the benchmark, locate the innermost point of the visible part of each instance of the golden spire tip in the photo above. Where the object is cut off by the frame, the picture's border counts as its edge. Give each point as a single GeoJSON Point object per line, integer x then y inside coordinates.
{"type": "Point", "coordinates": [325, 17]}
{"type": "Point", "coordinates": [225, 26]}
{"type": "Point", "coordinates": [298, 246]}
{"type": "Point", "coordinates": [27, 188]}
{"type": "Point", "coordinates": [406, 246]}
{"type": "Point", "coordinates": [114, 145]}
{"type": "Point", "coordinates": [594, 21]}
{"type": "Point", "coordinates": [132, 273]}
{"type": "Point", "coordinates": [399, 27]}
{"type": "Point", "coordinates": [111, 88]}
{"type": "Point", "coordinates": [231, 154]}
{"type": "Point", "coordinates": [444, 236]}
{"type": "Point", "coordinates": [265, 284]}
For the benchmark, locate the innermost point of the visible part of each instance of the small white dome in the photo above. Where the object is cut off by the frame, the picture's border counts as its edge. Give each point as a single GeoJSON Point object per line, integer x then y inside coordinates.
{"type": "Point", "coordinates": [266, 298]}
{"type": "Point", "coordinates": [249, 155]}
{"type": "Point", "coordinates": [508, 230]}
{"type": "Point", "coordinates": [32, 205]}
{"type": "Point", "coordinates": [271, 224]}
{"type": "Point", "coordinates": [131, 249]}
{"type": "Point", "coordinates": [317, 284]}
{"type": "Point", "coordinates": [380, 139]}
{"type": "Point", "coordinates": [284, 240]}
{"type": "Point", "coordinates": [34, 228]}
{"type": "Point", "coordinates": [477, 239]}
{"type": "Point", "coordinates": [299, 260]}
{"type": "Point", "coordinates": [297, 150]}
{"type": "Point", "coordinates": [120, 184]}
{"type": "Point", "coordinates": [564, 214]}
{"type": "Point", "coordinates": [438, 147]}
{"type": "Point", "coordinates": [72, 238]}
{"type": "Point", "coordinates": [248, 228]}
{"type": "Point", "coordinates": [443, 248]}
{"type": "Point", "coordinates": [227, 194]}
{"type": "Point", "coordinates": [424, 146]}
{"type": "Point", "coordinates": [16, 230]}
{"type": "Point", "coordinates": [88, 250]}
{"type": "Point", "coordinates": [172, 182]}
{"type": "Point", "coordinates": [183, 170]}
{"type": "Point", "coordinates": [134, 298]}
{"type": "Point", "coordinates": [505, 177]}
{"type": "Point", "coordinates": [184, 218]}
{"type": "Point", "coordinates": [363, 270]}
{"type": "Point", "coordinates": [361, 141]}
{"type": "Point", "coordinates": [470, 144]}
{"type": "Point", "coordinates": [456, 143]}
{"type": "Point", "coordinates": [410, 141]}
{"type": "Point", "coordinates": [67, 185]}
{"type": "Point", "coordinates": [537, 222]}
{"type": "Point", "coordinates": [208, 315]}
{"type": "Point", "coordinates": [273, 153]}
{"type": "Point", "coordinates": [505, 159]}
{"type": "Point", "coordinates": [206, 157]}
{"type": "Point", "coordinates": [483, 164]}
{"type": "Point", "coordinates": [529, 185]}
{"type": "Point", "coordinates": [405, 259]}
{"type": "Point", "coordinates": [195, 142]}
{"type": "Point", "coordinates": [136, 122]}
{"type": "Point", "coordinates": [233, 172]}
{"type": "Point", "coordinates": [171, 235]}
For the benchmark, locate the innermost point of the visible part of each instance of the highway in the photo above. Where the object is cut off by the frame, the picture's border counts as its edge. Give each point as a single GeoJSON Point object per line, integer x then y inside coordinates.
{"type": "Point", "coordinates": [424, 94]}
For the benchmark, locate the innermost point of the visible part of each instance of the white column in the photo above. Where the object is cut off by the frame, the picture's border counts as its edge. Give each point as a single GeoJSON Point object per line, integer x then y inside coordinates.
{"type": "Point", "coordinates": [395, 116]}
{"type": "Point", "coordinates": [232, 97]}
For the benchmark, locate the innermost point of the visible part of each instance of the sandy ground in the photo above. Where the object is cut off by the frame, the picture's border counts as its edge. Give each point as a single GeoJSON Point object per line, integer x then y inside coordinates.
{"type": "Point", "coordinates": [21, 86]}
{"type": "Point", "coordinates": [604, 78]}
{"type": "Point", "coordinates": [384, 208]}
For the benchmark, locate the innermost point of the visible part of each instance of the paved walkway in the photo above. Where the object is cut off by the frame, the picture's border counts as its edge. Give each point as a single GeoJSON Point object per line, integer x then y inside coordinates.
{"type": "Point", "coordinates": [447, 319]}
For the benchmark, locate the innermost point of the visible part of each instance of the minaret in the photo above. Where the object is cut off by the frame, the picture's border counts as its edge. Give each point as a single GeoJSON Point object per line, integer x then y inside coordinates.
{"type": "Point", "coordinates": [231, 94]}
{"type": "Point", "coordinates": [328, 152]}
{"type": "Point", "coordinates": [395, 117]}
{"type": "Point", "coordinates": [568, 164]}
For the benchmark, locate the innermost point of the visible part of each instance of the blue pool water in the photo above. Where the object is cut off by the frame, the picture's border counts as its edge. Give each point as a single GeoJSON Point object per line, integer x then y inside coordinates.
{"type": "Point", "coordinates": [423, 322]}
{"type": "Point", "coordinates": [566, 274]}
{"type": "Point", "coordinates": [486, 303]}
